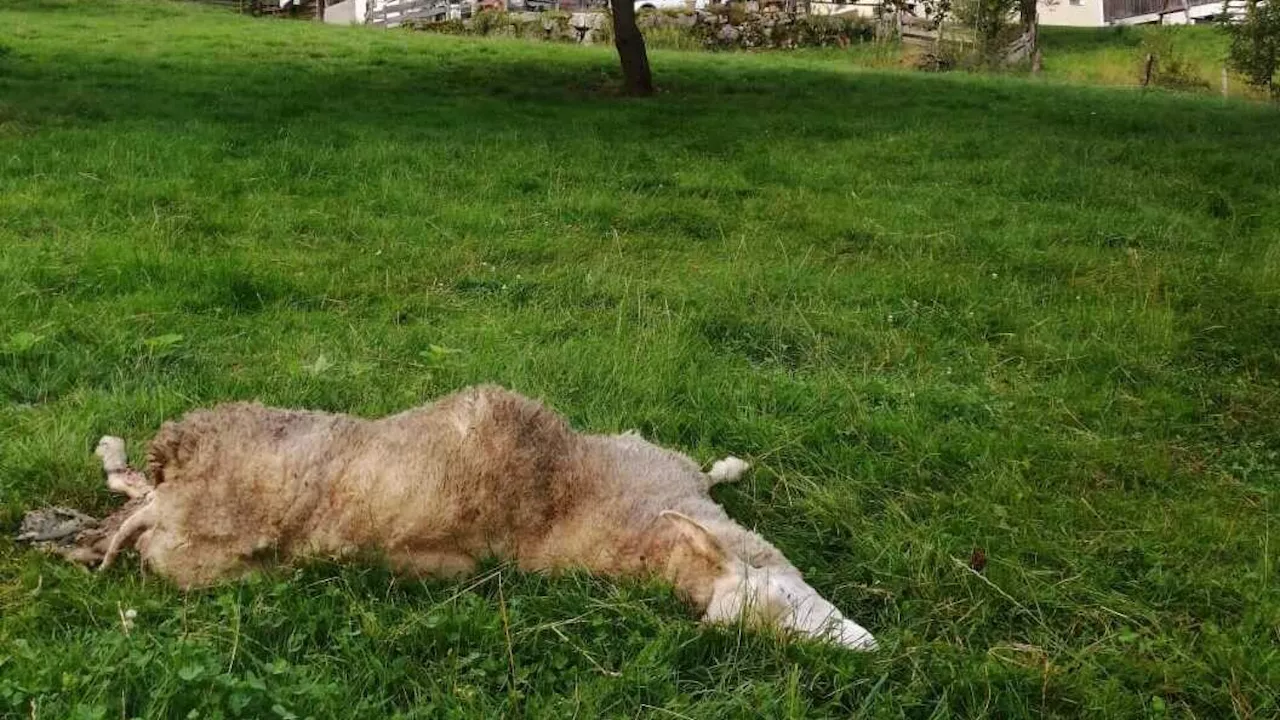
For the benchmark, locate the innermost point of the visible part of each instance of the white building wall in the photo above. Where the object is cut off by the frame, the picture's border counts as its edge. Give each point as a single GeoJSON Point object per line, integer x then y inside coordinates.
{"type": "Point", "coordinates": [861, 8]}
{"type": "Point", "coordinates": [347, 12]}
{"type": "Point", "coordinates": [1088, 13]}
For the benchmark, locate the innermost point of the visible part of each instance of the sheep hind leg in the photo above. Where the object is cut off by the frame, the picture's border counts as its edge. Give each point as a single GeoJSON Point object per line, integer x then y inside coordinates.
{"type": "Point", "coordinates": [120, 477]}
{"type": "Point", "coordinates": [89, 545]}
{"type": "Point", "coordinates": [142, 520]}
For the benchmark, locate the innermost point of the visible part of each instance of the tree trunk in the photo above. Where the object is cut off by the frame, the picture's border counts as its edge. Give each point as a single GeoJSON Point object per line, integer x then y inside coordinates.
{"type": "Point", "coordinates": [636, 78]}
{"type": "Point", "coordinates": [1028, 13]}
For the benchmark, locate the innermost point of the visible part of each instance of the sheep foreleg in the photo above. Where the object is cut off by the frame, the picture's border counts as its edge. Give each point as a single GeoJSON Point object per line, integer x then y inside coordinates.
{"type": "Point", "coordinates": [120, 477]}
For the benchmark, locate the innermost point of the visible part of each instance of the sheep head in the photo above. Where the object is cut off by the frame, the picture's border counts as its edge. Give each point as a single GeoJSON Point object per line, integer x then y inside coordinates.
{"type": "Point", "coordinates": [766, 596]}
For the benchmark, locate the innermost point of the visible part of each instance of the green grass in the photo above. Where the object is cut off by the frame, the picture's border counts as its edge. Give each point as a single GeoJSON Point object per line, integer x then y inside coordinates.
{"type": "Point", "coordinates": [1092, 56]}
{"type": "Point", "coordinates": [939, 313]}
{"type": "Point", "coordinates": [1116, 56]}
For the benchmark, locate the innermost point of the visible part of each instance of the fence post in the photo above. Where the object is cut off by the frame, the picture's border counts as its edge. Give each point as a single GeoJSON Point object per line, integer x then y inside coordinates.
{"type": "Point", "coordinates": [1146, 70]}
{"type": "Point", "coordinates": [319, 10]}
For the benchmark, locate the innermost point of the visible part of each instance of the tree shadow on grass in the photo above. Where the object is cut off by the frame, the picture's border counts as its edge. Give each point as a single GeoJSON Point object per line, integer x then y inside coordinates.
{"type": "Point", "coordinates": [260, 79]}
{"type": "Point", "coordinates": [246, 89]}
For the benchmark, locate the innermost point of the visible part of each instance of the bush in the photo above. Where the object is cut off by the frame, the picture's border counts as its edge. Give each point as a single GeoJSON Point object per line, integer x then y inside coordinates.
{"type": "Point", "coordinates": [992, 24]}
{"type": "Point", "coordinates": [1255, 45]}
{"type": "Point", "coordinates": [554, 25]}
{"type": "Point", "coordinates": [604, 33]}
{"type": "Point", "coordinates": [940, 61]}
{"type": "Point", "coordinates": [820, 31]}
{"type": "Point", "coordinates": [486, 21]}
{"type": "Point", "coordinates": [1171, 69]}
{"type": "Point", "coordinates": [444, 27]}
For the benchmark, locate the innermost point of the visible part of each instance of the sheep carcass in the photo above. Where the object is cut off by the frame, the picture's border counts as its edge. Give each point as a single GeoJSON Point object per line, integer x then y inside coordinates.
{"type": "Point", "coordinates": [483, 472]}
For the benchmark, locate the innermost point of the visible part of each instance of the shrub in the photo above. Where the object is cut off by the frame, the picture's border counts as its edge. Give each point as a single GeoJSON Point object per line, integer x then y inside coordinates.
{"type": "Point", "coordinates": [555, 24]}
{"type": "Point", "coordinates": [604, 33]}
{"type": "Point", "coordinates": [824, 31]}
{"type": "Point", "coordinates": [1255, 45]}
{"type": "Point", "coordinates": [444, 27]}
{"type": "Point", "coordinates": [486, 21]}
{"type": "Point", "coordinates": [1171, 69]}
{"type": "Point", "coordinates": [991, 21]}
{"type": "Point", "coordinates": [930, 61]}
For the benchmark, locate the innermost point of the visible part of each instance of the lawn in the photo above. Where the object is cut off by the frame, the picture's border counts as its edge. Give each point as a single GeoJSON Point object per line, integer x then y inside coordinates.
{"type": "Point", "coordinates": [940, 313]}
{"type": "Point", "coordinates": [1116, 56]}
{"type": "Point", "coordinates": [1187, 58]}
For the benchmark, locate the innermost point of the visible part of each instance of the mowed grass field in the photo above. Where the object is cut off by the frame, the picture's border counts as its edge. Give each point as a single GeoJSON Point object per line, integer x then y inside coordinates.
{"type": "Point", "coordinates": [938, 313]}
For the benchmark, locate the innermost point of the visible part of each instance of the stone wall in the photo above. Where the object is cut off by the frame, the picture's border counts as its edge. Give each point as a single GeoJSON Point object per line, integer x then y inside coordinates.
{"type": "Point", "coordinates": [741, 25]}
{"type": "Point", "coordinates": [756, 25]}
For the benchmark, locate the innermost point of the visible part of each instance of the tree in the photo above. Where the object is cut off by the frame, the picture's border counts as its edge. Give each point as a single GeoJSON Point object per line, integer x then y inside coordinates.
{"type": "Point", "coordinates": [636, 78]}
{"type": "Point", "coordinates": [1029, 15]}
{"type": "Point", "coordinates": [1255, 45]}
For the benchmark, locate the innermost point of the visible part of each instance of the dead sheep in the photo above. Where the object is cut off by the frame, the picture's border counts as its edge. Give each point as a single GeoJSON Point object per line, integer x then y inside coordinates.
{"type": "Point", "coordinates": [480, 473]}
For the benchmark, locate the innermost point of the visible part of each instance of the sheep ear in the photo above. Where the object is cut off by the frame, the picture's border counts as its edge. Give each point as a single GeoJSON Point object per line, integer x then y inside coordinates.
{"type": "Point", "coordinates": [700, 539]}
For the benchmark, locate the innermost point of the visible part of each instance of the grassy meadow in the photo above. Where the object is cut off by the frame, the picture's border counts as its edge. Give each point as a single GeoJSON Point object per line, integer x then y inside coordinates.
{"type": "Point", "coordinates": [940, 313]}
{"type": "Point", "coordinates": [1116, 56]}
{"type": "Point", "coordinates": [1189, 59]}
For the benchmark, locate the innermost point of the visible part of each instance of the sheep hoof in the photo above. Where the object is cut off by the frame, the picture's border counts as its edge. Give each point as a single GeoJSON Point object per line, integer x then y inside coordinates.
{"type": "Point", "coordinates": [853, 636]}
{"type": "Point", "coordinates": [727, 470]}
{"type": "Point", "coordinates": [129, 482]}
{"type": "Point", "coordinates": [111, 450]}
